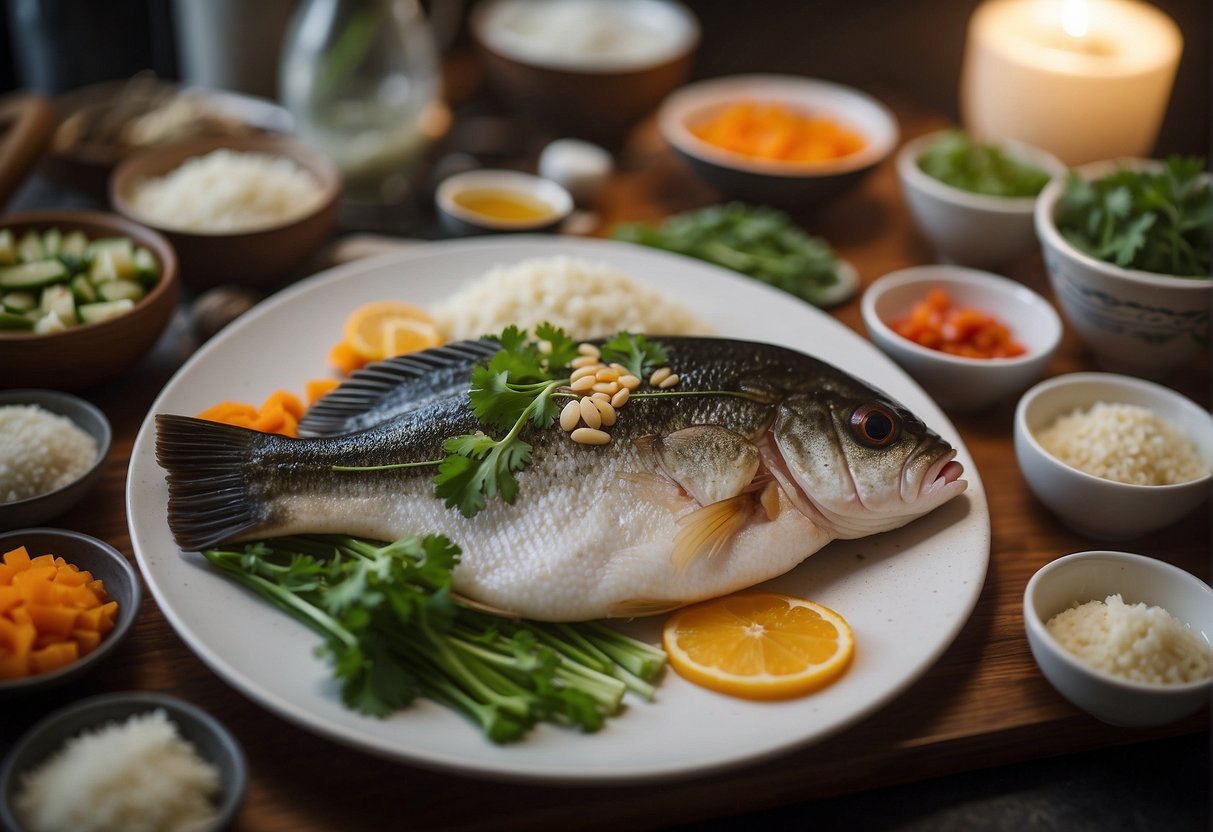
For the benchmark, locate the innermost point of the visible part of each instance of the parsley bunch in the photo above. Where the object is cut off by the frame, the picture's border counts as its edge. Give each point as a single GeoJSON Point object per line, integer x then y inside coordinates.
{"type": "Point", "coordinates": [393, 631]}
{"type": "Point", "coordinates": [1156, 221]}
{"type": "Point", "coordinates": [957, 160]}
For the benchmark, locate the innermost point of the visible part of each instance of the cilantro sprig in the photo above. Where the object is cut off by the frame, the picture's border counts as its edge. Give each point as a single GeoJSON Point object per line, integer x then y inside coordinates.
{"type": "Point", "coordinates": [1155, 221]}
{"type": "Point", "coordinates": [394, 631]}
{"type": "Point", "coordinates": [517, 389]}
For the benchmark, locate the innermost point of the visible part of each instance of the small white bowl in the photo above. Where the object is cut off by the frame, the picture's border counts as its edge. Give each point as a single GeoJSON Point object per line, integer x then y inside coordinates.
{"type": "Point", "coordinates": [773, 181]}
{"type": "Point", "coordinates": [1093, 576]}
{"type": "Point", "coordinates": [955, 382]}
{"type": "Point", "coordinates": [460, 220]}
{"type": "Point", "coordinates": [968, 228]}
{"type": "Point", "coordinates": [1134, 322]}
{"type": "Point", "coordinates": [1090, 505]}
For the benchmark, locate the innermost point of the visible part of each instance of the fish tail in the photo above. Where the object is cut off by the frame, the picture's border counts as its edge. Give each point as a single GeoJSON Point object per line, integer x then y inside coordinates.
{"type": "Point", "coordinates": [210, 498]}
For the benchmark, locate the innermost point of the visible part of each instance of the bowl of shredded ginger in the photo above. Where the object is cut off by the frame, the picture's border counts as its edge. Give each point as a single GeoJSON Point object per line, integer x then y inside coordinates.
{"type": "Point", "coordinates": [974, 200]}
{"type": "Point", "coordinates": [972, 339]}
{"type": "Point", "coordinates": [1127, 247]}
{"type": "Point", "coordinates": [134, 760]}
{"type": "Point", "coordinates": [1122, 636]}
{"type": "Point", "coordinates": [780, 140]}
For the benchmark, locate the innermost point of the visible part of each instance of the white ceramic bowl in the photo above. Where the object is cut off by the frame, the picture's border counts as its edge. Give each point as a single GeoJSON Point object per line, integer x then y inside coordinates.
{"type": "Point", "coordinates": [1133, 321]}
{"type": "Point", "coordinates": [543, 193]}
{"type": "Point", "coordinates": [958, 383]}
{"type": "Point", "coordinates": [1093, 506]}
{"type": "Point", "coordinates": [773, 181]}
{"type": "Point", "coordinates": [968, 228]}
{"type": "Point", "coordinates": [1093, 576]}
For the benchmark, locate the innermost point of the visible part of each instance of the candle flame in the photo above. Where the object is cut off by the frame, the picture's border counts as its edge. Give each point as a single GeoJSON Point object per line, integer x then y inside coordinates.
{"type": "Point", "coordinates": [1075, 18]}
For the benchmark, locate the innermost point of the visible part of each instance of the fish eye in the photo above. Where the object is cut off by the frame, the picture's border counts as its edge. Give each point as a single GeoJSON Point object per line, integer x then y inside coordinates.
{"type": "Point", "coordinates": [875, 425]}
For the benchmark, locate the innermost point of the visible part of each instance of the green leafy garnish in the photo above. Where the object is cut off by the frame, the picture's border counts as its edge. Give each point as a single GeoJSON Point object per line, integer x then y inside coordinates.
{"type": "Point", "coordinates": [957, 160]}
{"type": "Point", "coordinates": [760, 242]}
{"type": "Point", "coordinates": [516, 388]}
{"type": "Point", "coordinates": [393, 631]}
{"type": "Point", "coordinates": [1155, 221]}
{"type": "Point", "coordinates": [635, 352]}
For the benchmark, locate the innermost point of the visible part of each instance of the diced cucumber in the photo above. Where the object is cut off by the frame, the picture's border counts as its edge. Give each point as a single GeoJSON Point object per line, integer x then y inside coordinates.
{"type": "Point", "coordinates": [147, 267]}
{"type": "Point", "coordinates": [32, 275]}
{"type": "Point", "coordinates": [109, 244]}
{"type": "Point", "coordinates": [119, 289]}
{"type": "Point", "coordinates": [83, 289]}
{"type": "Point", "coordinates": [19, 302]}
{"type": "Point", "coordinates": [51, 322]}
{"type": "Point", "coordinates": [75, 244]}
{"type": "Point", "coordinates": [11, 321]}
{"type": "Point", "coordinates": [8, 248]}
{"type": "Point", "coordinates": [52, 242]}
{"type": "Point", "coordinates": [58, 299]}
{"type": "Point", "coordinates": [112, 264]}
{"type": "Point", "coordinates": [91, 313]}
{"type": "Point", "coordinates": [30, 248]}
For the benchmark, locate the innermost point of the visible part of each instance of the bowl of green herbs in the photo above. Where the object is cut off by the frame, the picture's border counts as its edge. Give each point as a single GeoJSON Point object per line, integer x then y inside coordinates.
{"type": "Point", "coordinates": [1127, 248]}
{"type": "Point", "coordinates": [974, 200]}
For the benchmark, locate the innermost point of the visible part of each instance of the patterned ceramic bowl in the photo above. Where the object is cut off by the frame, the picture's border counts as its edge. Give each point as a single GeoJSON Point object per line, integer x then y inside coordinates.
{"type": "Point", "coordinates": [1135, 322]}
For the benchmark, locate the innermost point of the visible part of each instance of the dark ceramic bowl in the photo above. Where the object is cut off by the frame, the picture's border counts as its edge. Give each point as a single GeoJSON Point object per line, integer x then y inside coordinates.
{"type": "Point", "coordinates": [213, 742]}
{"type": "Point", "coordinates": [575, 92]}
{"type": "Point", "coordinates": [88, 418]}
{"type": "Point", "coordinates": [776, 182]}
{"type": "Point", "coordinates": [260, 256]}
{"type": "Point", "coordinates": [88, 354]}
{"type": "Point", "coordinates": [104, 562]}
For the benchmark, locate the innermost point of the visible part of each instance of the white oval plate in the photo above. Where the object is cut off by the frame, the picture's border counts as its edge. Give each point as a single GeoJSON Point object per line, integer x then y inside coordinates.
{"type": "Point", "coordinates": [906, 593]}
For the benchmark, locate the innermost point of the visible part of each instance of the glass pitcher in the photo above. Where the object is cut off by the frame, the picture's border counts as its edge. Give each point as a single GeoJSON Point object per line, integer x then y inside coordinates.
{"type": "Point", "coordinates": [362, 80]}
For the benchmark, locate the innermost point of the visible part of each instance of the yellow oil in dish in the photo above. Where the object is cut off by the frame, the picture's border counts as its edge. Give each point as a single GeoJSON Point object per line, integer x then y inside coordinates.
{"type": "Point", "coordinates": [503, 206]}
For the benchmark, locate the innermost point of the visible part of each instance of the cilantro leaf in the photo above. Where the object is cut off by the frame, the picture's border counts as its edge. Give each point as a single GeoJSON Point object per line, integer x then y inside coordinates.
{"type": "Point", "coordinates": [635, 352]}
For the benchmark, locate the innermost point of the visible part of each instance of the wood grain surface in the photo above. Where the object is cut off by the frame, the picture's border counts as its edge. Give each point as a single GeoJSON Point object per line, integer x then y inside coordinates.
{"type": "Point", "coordinates": [984, 703]}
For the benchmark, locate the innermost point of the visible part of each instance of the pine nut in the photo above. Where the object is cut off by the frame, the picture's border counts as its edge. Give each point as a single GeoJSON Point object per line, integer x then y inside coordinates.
{"type": "Point", "coordinates": [659, 376]}
{"type": "Point", "coordinates": [606, 374]}
{"type": "Point", "coordinates": [582, 372]}
{"type": "Point", "coordinates": [600, 396]}
{"type": "Point", "coordinates": [619, 368]}
{"type": "Point", "coordinates": [629, 381]}
{"type": "Point", "coordinates": [590, 413]}
{"type": "Point", "coordinates": [585, 361]}
{"type": "Point", "coordinates": [669, 381]}
{"type": "Point", "coordinates": [589, 436]}
{"type": "Point", "coordinates": [582, 385]}
{"type": "Point", "coordinates": [570, 416]}
{"type": "Point", "coordinates": [606, 411]}
{"type": "Point", "coordinates": [588, 349]}
{"type": "Point", "coordinates": [608, 387]}
{"type": "Point", "coordinates": [620, 398]}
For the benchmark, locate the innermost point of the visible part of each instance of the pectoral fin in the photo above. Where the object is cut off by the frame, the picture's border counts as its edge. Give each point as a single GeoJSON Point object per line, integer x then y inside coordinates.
{"type": "Point", "coordinates": [705, 531]}
{"type": "Point", "coordinates": [710, 462]}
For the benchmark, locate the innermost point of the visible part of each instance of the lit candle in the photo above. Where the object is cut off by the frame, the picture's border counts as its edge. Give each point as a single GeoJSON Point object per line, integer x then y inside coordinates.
{"type": "Point", "coordinates": [1083, 79]}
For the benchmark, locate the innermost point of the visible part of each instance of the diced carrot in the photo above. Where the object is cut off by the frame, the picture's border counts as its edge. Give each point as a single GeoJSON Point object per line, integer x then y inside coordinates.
{"type": "Point", "coordinates": [36, 587]}
{"type": "Point", "coordinates": [76, 597]}
{"type": "Point", "coordinates": [98, 588]}
{"type": "Point", "coordinates": [6, 574]}
{"type": "Point", "coordinates": [42, 560]}
{"type": "Point", "coordinates": [972, 333]}
{"type": "Point", "coordinates": [109, 612]}
{"type": "Point", "coordinates": [318, 388]}
{"type": "Point", "coordinates": [19, 614]}
{"type": "Point", "coordinates": [86, 640]}
{"type": "Point", "coordinates": [17, 559]}
{"type": "Point", "coordinates": [10, 596]}
{"type": "Point", "coordinates": [13, 665]}
{"type": "Point", "coordinates": [345, 359]}
{"type": "Point", "coordinates": [54, 656]}
{"type": "Point", "coordinates": [53, 619]}
{"type": "Point", "coordinates": [70, 576]}
{"type": "Point", "coordinates": [89, 619]}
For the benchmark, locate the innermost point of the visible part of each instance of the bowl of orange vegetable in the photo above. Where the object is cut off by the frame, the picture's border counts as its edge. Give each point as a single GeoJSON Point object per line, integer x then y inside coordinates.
{"type": "Point", "coordinates": [778, 139]}
{"type": "Point", "coordinates": [66, 602]}
{"type": "Point", "coordinates": [970, 338]}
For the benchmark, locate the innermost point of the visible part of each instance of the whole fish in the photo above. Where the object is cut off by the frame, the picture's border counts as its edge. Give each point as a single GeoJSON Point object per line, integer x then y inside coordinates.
{"type": "Point", "coordinates": [694, 496]}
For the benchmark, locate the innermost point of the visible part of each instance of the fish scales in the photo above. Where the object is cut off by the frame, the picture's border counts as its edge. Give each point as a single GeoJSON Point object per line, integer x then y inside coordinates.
{"type": "Point", "coordinates": [594, 530]}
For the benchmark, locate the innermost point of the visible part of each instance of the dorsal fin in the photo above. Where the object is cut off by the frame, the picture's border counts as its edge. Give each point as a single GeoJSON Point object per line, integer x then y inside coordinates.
{"type": "Point", "coordinates": [386, 389]}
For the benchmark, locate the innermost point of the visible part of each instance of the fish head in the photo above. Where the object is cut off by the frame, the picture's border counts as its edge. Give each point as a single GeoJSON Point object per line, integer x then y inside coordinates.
{"type": "Point", "coordinates": [856, 461]}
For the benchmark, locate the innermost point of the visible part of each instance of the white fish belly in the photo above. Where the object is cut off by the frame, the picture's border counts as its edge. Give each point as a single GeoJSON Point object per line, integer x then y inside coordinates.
{"type": "Point", "coordinates": [581, 541]}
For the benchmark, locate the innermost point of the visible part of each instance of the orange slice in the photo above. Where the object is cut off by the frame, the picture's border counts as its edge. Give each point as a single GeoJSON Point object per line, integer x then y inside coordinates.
{"type": "Point", "coordinates": [759, 646]}
{"type": "Point", "coordinates": [386, 328]}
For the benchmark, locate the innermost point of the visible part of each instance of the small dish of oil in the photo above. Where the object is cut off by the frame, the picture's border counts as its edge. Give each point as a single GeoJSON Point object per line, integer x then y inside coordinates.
{"type": "Point", "coordinates": [501, 201]}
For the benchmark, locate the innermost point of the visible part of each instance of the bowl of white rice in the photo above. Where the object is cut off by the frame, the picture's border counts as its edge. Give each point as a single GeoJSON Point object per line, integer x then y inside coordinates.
{"type": "Point", "coordinates": [134, 760]}
{"type": "Point", "coordinates": [238, 210]}
{"type": "Point", "coordinates": [1122, 636]}
{"type": "Point", "coordinates": [53, 447]}
{"type": "Point", "coordinates": [1114, 457]}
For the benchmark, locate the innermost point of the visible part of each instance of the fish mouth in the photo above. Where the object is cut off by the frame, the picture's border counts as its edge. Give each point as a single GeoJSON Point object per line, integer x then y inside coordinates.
{"type": "Point", "coordinates": [930, 476]}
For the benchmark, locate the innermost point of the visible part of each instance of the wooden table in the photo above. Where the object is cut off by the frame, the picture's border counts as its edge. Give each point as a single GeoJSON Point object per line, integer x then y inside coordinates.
{"type": "Point", "coordinates": [984, 703]}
